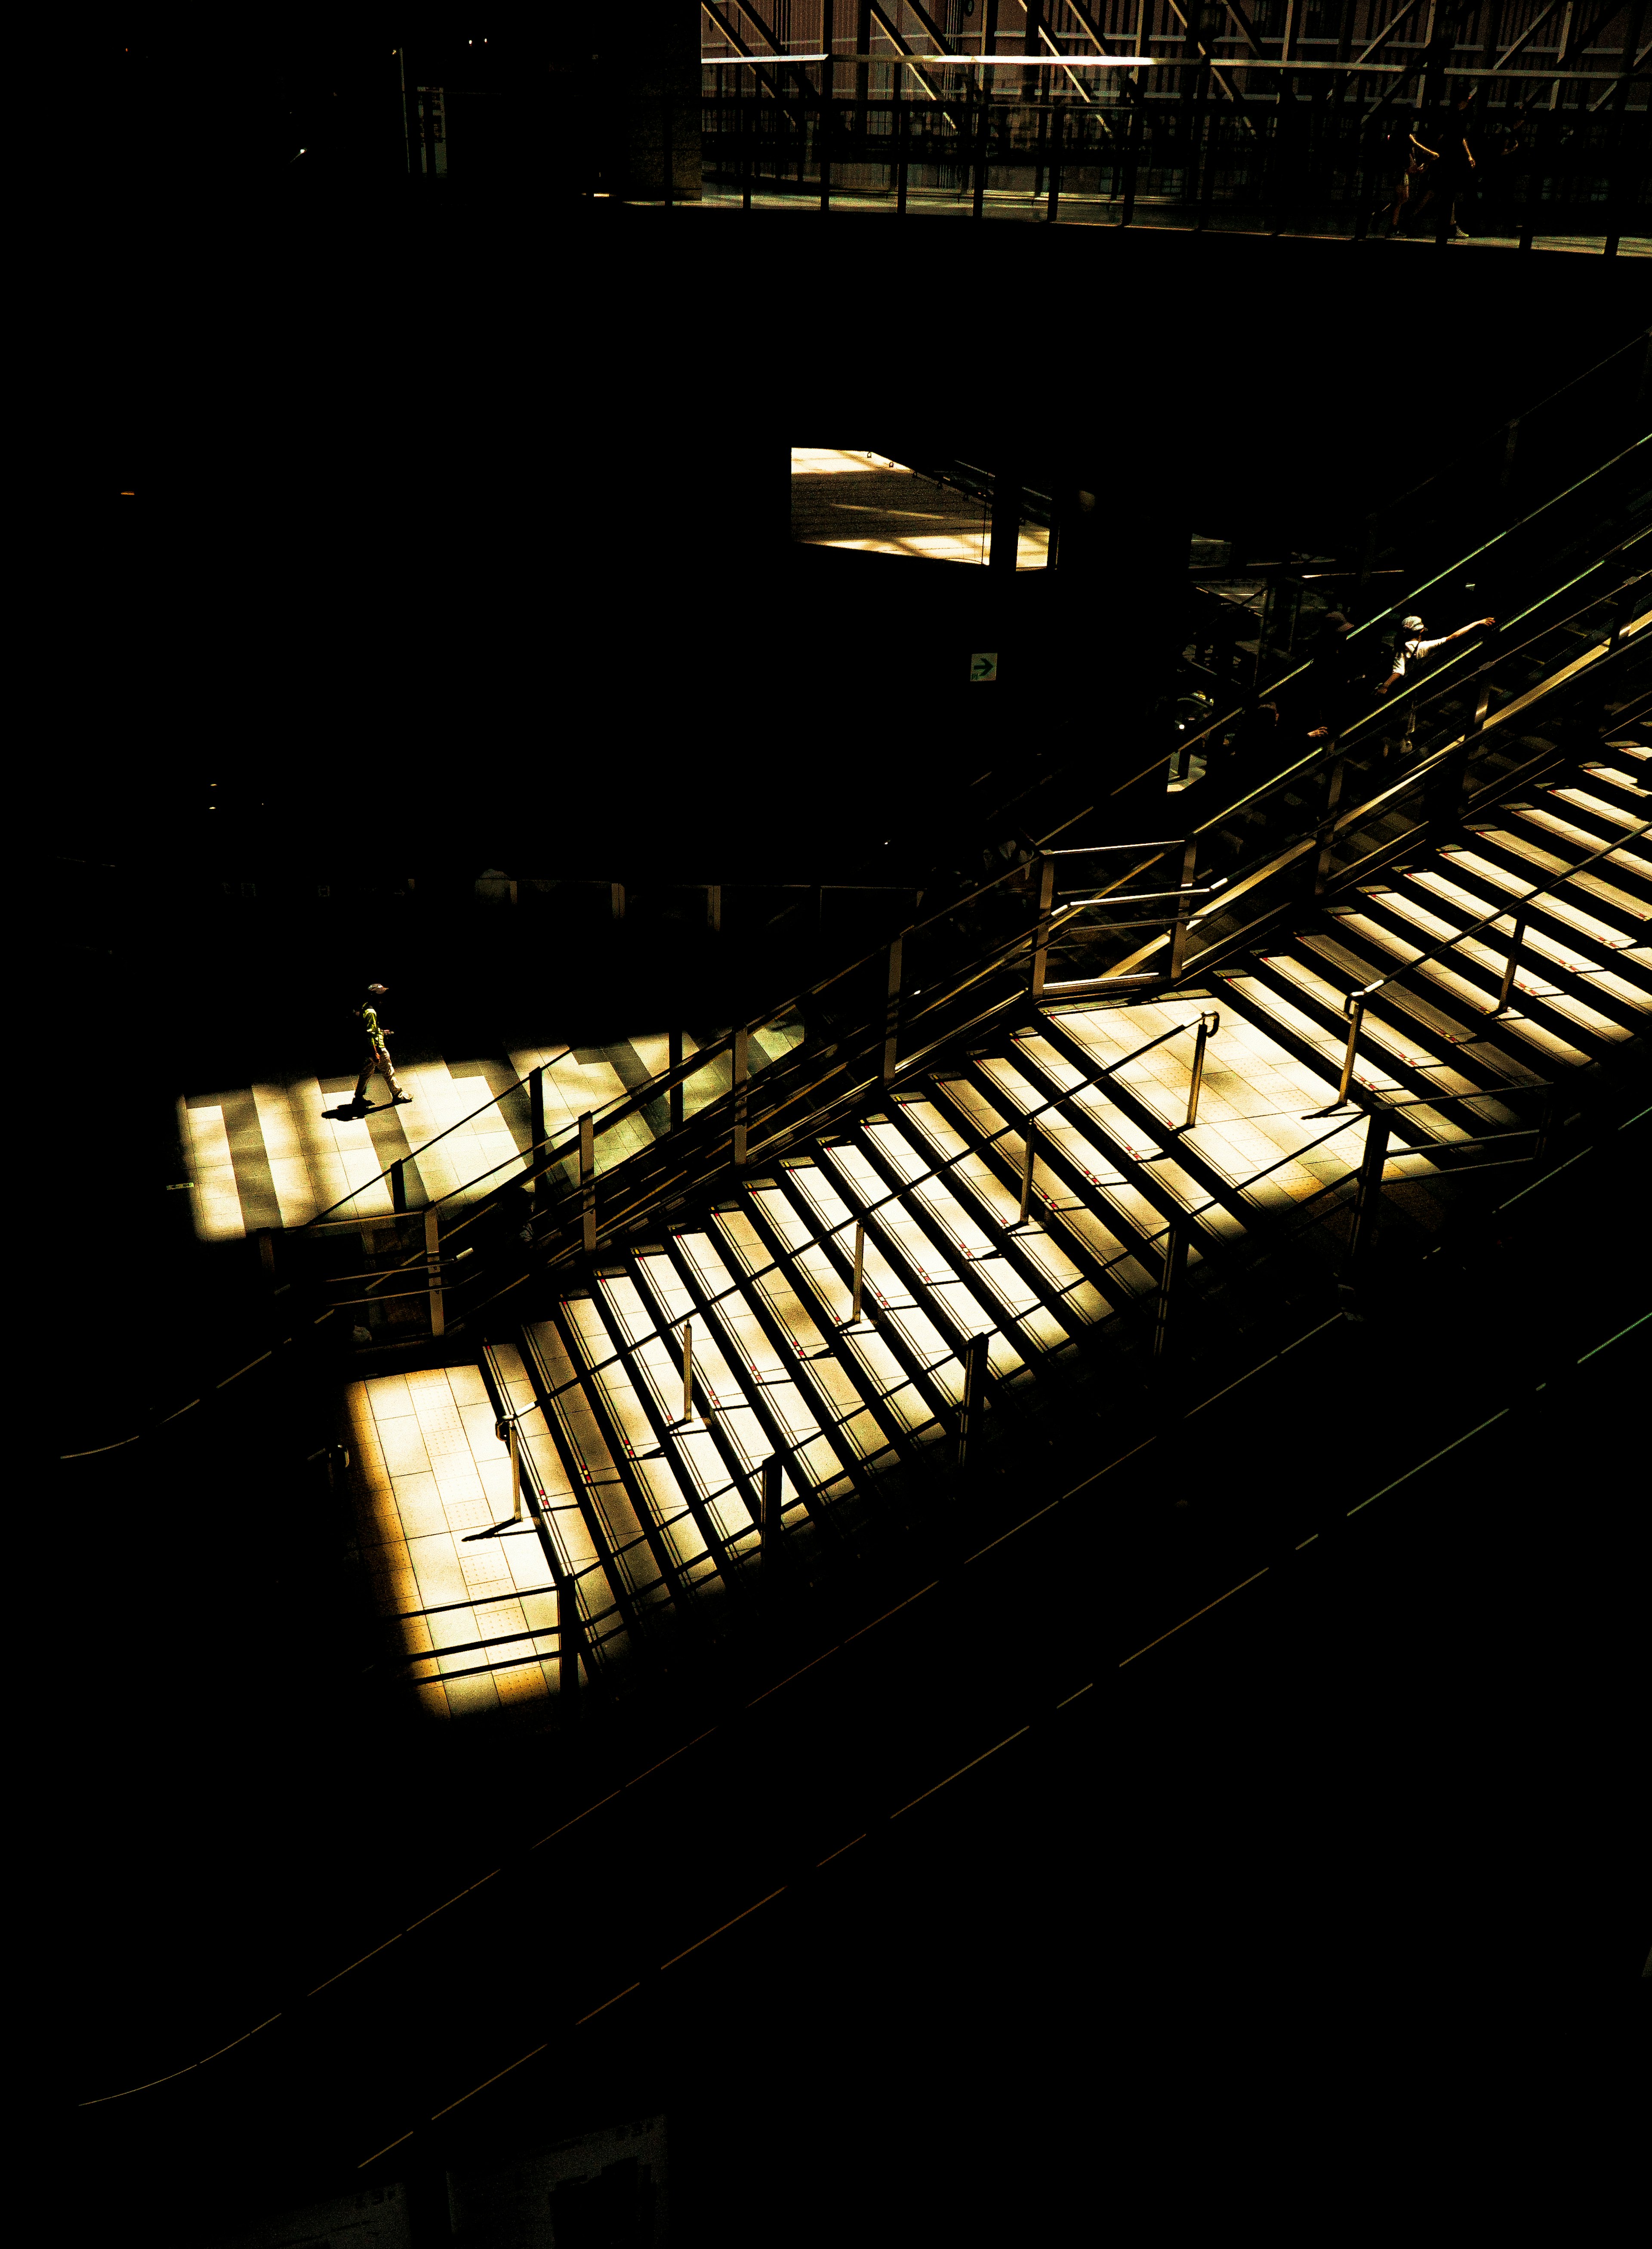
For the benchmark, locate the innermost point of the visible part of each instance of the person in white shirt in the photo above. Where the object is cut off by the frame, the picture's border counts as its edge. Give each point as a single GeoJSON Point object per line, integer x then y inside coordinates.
{"type": "Point", "coordinates": [1415, 647]}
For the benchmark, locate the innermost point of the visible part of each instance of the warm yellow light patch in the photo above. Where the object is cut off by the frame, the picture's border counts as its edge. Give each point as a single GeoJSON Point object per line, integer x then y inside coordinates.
{"type": "Point", "coordinates": [426, 1468]}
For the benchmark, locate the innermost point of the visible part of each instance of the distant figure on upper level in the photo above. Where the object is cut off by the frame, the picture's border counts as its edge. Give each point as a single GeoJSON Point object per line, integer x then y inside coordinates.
{"type": "Point", "coordinates": [378, 1053]}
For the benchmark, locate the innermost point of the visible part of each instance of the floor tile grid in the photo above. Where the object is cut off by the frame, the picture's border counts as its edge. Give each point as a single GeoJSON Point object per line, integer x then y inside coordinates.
{"type": "Point", "coordinates": [213, 1197]}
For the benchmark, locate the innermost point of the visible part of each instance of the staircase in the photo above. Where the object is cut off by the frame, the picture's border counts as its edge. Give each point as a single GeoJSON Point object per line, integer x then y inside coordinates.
{"type": "Point", "coordinates": [1032, 1246]}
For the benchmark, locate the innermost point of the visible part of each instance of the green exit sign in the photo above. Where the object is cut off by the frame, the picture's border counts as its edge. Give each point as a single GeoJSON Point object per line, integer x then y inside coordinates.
{"type": "Point", "coordinates": [983, 667]}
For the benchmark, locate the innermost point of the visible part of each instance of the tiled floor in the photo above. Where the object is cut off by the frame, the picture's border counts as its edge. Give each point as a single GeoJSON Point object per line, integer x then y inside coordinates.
{"type": "Point", "coordinates": [275, 1155]}
{"type": "Point", "coordinates": [842, 499]}
{"type": "Point", "coordinates": [427, 1468]}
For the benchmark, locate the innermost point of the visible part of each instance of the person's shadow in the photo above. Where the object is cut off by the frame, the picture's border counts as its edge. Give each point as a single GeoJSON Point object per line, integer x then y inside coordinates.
{"type": "Point", "coordinates": [348, 1109]}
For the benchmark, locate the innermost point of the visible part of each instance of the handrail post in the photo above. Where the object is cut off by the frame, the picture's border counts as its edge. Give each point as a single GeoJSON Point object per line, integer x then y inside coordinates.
{"type": "Point", "coordinates": [536, 1116]}
{"type": "Point", "coordinates": [1169, 1283]}
{"type": "Point", "coordinates": [1355, 1007]}
{"type": "Point", "coordinates": [860, 1262]}
{"type": "Point", "coordinates": [1368, 1194]}
{"type": "Point", "coordinates": [1207, 1024]}
{"type": "Point", "coordinates": [588, 1182]}
{"type": "Point", "coordinates": [969, 1413]}
{"type": "Point", "coordinates": [892, 1009]}
{"type": "Point", "coordinates": [514, 1437]}
{"type": "Point", "coordinates": [1029, 1145]}
{"type": "Point", "coordinates": [768, 1524]}
{"type": "Point", "coordinates": [1040, 935]}
{"type": "Point", "coordinates": [1184, 907]}
{"type": "Point", "coordinates": [674, 1062]}
{"type": "Point", "coordinates": [1516, 938]}
{"type": "Point", "coordinates": [741, 1079]}
{"type": "Point", "coordinates": [398, 1184]}
{"type": "Point", "coordinates": [688, 1369]}
{"type": "Point", "coordinates": [433, 1266]}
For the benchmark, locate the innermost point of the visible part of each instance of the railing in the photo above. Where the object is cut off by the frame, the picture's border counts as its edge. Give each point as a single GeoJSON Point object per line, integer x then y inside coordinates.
{"type": "Point", "coordinates": [1356, 1002]}
{"type": "Point", "coordinates": [1288, 165]}
{"type": "Point", "coordinates": [1371, 831]}
{"type": "Point", "coordinates": [576, 1157]}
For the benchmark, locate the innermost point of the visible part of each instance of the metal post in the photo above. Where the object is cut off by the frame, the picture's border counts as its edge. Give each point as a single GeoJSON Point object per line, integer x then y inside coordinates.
{"type": "Point", "coordinates": [892, 1009]}
{"type": "Point", "coordinates": [1169, 1283]}
{"type": "Point", "coordinates": [688, 1369]}
{"type": "Point", "coordinates": [514, 1437]}
{"type": "Point", "coordinates": [1517, 938]}
{"type": "Point", "coordinates": [433, 1266]}
{"type": "Point", "coordinates": [741, 1073]}
{"type": "Point", "coordinates": [617, 900]}
{"type": "Point", "coordinates": [588, 1182]}
{"type": "Point", "coordinates": [828, 86]}
{"type": "Point", "coordinates": [1029, 1145]}
{"type": "Point", "coordinates": [1184, 907]}
{"type": "Point", "coordinates": [1041, 938]}
{"type": "Point", "coordinates": [1057, 123]}
{"type": "Point", "coordinates": [1355, 1007]}
{"type": "Point", "coordinates": [674, 1061]}
{"type": "Point", "coordinates": [969, 1412]}
{"type": "Point", "coordinates": [860, 1259]}
{"type": "Point", "coordinates": [568, 1638]}
{"type": "Point", "coordinates": [1548, 1118]}
{"type": "Point", "coordinates": [903, 149]}
{"type": "Point", "coordinates": [536, 1111]}
{"type": "Point", "coordinates": [769, 1516]}
{"type": "Point", "coordinates": [398, 1184]}
{"type": "Point", "coordinates": [1369, 1193]}
{"type": "Point", "coordinates": [980, 197]}
{"type": "Point", "coordinates": [1327, 827]}
{"type": "Point", "coordinates": [1207, 1024]}
{"type": "Point", "coordinates": [715, 906]}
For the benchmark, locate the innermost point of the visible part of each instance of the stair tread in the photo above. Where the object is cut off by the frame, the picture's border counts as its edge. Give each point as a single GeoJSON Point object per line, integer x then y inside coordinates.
{"type": "Point", "coordinates": [1468, 1030]}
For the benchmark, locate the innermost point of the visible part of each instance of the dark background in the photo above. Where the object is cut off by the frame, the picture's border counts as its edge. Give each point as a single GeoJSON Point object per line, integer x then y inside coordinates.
{"type": "Point", "coordinates": [459, 542]}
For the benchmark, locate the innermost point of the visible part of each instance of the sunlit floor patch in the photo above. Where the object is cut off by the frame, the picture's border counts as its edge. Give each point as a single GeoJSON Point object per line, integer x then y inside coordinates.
{"type": "Point", "coordinates": [274, 1155]}
{"type": "Point", "coordinates": [426, 1468]}
{"type": "Point", "coordinates": [861, 501]}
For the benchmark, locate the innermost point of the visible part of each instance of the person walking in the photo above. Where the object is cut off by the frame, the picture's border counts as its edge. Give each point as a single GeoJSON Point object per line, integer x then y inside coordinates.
{"type": "Point", "coordinates": [378, 1053]}
{"type": "Point", "coordinates": [1414, 648]}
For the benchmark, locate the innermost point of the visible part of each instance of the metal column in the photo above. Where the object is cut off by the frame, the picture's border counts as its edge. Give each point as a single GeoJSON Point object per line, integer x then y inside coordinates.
{"type": "Point", "coordinates": [588, 1182]}
{"type": "Point", "coordinates": [433, 1266]}
{"type": "Point", "coordinates": [1369, 1194]}
{"type": "Point", "coordinates": [740, 1073]}
{"type": "Point", "coordinates": [1184, 907]}
{"type": "Point", "coordinates": [892, 1009]}
{"type": "Point", "coordinates": [1041, 935]}
{"type": "Point", "coordinates": [969, 1412]}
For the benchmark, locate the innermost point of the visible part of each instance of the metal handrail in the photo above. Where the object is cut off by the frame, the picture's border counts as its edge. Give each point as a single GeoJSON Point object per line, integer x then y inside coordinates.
{"type": "Point", "coordinates": [1383, 616]}
{"type": "Point", "coordinates": [1512, 910]}
{"type": "Point", "coordinates": [1348, 816]}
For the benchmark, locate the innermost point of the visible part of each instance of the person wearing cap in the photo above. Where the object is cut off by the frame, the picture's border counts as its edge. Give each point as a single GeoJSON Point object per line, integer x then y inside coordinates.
{"type": "Point", "coordinates": [378, 1054]}
{"type": "Point", "coordinates": [1416, 647]}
